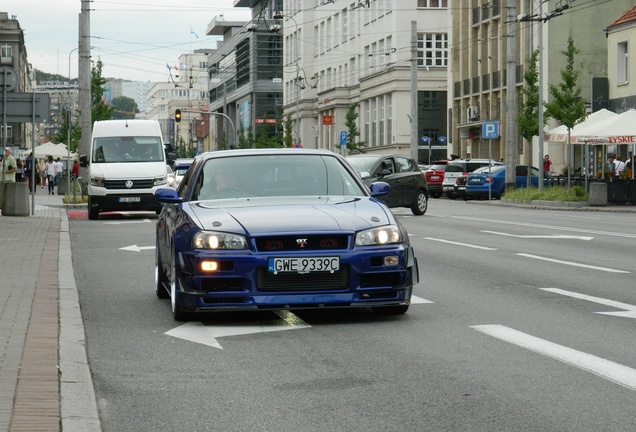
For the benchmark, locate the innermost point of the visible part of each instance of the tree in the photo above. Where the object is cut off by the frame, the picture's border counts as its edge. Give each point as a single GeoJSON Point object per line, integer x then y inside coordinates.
{"type": "Point", "coordinates": [124, 107]}
{"type": "Point", "coordinates": [351, 123]}
{"type": "Point", "coordinates": [288, 128]}
{"type": "Point", "coordinates": [100, 110]}
{"type": "Point", "coordinates": [62, 134]}
{"type": "Point", "coordinates": [566, 104]}
{"type": "Point", "coordinates": [528, 119]}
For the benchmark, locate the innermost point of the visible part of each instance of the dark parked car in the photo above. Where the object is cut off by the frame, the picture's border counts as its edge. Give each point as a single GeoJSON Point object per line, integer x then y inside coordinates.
{"type": "Point", "coordinates": [280, 229]}
{"type": "Point", "coordinates": [434, 176]}
{"type": "Point", "coordinates": [408, 186]}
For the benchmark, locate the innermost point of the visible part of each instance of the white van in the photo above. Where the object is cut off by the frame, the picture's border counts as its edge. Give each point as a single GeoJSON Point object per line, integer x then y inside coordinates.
{"type": "Point", "coordinates": [127, 163]}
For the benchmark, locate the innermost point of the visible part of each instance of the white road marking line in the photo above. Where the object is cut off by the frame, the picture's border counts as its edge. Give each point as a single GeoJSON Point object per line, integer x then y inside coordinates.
{"type": "Point", "coordinates": [557, 236]}
{"type": "Point", "coordinates": [419, 300]}
{"type": "Point", "coordinates": [629, 311]}
{"type": "Point", "coordinates": [550, 227]}
{"type": "Point", "coordinates": [459, 244]}
{"type": "Point", "coordinates": [607, 369]}
{"type": "Point", "coordinates": [570, 263]}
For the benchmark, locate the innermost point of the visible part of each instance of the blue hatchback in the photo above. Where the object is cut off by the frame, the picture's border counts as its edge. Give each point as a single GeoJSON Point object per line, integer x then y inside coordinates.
{"type": "Point", "coordinates": [481, 181]}
{"type": "Point", "coordinates": [280, 229]}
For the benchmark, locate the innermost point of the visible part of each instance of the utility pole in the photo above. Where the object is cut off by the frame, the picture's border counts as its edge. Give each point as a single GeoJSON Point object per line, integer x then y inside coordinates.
{"type": "Point", "coordinates": [511, 95]}
{"type": "Point", "coordinates": [84, 85]}
{"type": "Point", "coordinates": [414, 111]}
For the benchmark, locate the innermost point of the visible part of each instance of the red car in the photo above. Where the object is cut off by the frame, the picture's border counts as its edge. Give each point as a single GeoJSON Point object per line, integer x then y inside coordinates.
{"type": "Point", "coordinates": [434, 178]}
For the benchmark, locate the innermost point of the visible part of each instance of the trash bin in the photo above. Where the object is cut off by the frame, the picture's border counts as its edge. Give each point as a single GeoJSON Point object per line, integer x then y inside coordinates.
{"type": "Point", "coordinates": [15, 199]}
{"type": "Point", "coordinates": [598, 194]}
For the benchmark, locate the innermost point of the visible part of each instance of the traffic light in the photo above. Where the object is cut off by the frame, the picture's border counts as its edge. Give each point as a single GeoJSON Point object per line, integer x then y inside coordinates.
{"type": "Point", "coordinates": [177, 115]}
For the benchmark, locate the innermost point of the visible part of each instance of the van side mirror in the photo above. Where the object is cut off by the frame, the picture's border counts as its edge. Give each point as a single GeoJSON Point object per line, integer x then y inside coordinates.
{"type": "Point", "coordinates": [83, 161]}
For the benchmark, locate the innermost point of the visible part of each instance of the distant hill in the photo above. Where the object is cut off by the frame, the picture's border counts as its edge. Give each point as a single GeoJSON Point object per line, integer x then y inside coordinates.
{"type": "Point", "coordinates": [42, 77]}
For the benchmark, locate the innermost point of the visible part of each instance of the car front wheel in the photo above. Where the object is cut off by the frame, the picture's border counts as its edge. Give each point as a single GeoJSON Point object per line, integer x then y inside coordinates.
{"type": "Point", "coordinates": [420, 204]}
{"type": "Point", "coordinates": [177, 313]}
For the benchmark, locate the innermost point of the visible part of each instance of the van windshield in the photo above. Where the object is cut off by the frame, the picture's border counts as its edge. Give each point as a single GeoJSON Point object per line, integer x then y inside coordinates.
{"type": "Point", "coordinates": [127, 149]}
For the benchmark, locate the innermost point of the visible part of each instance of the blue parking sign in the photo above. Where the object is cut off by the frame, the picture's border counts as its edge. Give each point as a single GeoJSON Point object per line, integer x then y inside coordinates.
{"type": "Point", "coordinates": [490, 130]}
{"type": "Point", "coordinates": [343, 138]}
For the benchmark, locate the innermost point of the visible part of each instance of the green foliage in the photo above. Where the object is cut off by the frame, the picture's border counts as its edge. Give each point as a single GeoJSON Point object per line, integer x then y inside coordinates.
{"type": "Point", "coordinates": [288, 128]}
{"type": "Point", "coordinates": [124, 107]}
{"type": "Point", "coordinates": [351, 123]}
{"type": "Point", "coordinates": [566, 105]}
{"type": "Point", "coordinates": [100, 110]}
{"type": "Point", "coordinates": [556, 193]}
{"type": "Point", "coordinates": [528, 118]}
{"type": "Point", "coordinates": [62, 134]}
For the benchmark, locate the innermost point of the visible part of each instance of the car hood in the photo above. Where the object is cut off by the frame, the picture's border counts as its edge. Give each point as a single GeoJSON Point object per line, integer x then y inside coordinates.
{"type": "Point", "coordinates": [257, 216]}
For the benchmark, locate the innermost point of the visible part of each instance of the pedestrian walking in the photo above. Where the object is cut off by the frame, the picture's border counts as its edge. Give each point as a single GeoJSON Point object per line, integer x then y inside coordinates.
{"type": "Point", "coordinates": [41, 167]}
{"type": "Point", "coordinates": [9, 166]}
{"type": "Point", "coordinates": [51, 172]}
{"type": "Point", "coordinates": [59, 169]}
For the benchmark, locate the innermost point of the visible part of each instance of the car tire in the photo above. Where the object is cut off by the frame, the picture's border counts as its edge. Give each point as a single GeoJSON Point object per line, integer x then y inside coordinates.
{"type": "Point", "coordinates": [391, 310]}
{"type": "Point", "coordinates": [450, 195]}
{"type": "Point", "coordinates": [177, 313]}
{"type": "Point", "coordinates": [420, 204]}
{"type": "Point", "coordinates": [93, 212]}
{"type": "Point", "coordinates": [435, 194]}
{"type": "Point", "coordinates": [161, 281]}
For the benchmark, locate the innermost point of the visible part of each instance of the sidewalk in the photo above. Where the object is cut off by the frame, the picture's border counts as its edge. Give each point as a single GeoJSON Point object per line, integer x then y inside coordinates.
{"type": "Point", "coordinates": [45, 381]}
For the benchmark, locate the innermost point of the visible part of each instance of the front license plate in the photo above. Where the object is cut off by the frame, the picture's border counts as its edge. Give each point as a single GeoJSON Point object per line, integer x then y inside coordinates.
{"type": "Point", "coordinates": [303, 265]}
{"type": "Point", "coordinates": [129, 199]}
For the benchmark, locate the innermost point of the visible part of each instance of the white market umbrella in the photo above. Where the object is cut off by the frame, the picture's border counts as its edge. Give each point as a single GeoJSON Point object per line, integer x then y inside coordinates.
{"type": "Point", "coordinates": [55, 150]}
{"type": "Point", "coordinates": [560, 133]}
{"type": "Point", "coordinates": [620, 129]}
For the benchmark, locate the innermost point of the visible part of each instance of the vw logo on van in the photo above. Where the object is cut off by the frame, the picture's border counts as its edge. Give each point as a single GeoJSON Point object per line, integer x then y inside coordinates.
{"type": "Point", "coordinates": [129, 184]}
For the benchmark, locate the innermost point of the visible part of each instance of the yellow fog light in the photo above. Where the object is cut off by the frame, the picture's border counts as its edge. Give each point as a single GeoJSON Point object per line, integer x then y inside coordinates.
{"type": "Point", "coordinates": [209, 266]}
{"type": "Point", "coordinates": [391, 260]}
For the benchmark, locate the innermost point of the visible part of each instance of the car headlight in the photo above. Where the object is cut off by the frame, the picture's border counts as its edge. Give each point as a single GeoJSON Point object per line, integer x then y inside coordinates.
{"type": "Point", "coordinates": [158, 181]}
{"type": "Point", "coordinates": [217, 240]}
{"type": "Point", "coordinates": [97, 181]}
{"type": "Point", "coordinates": [379, 236]}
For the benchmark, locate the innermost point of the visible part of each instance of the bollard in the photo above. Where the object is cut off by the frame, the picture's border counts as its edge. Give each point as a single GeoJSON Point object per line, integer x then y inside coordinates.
{"type": "Point", "coordinates": [15, 199]}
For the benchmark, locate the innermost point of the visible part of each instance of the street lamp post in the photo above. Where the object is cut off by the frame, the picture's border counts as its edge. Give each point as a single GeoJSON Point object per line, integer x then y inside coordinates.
{"type": "Point", "coordinates": [219, 114]}
{"type": "Point", "coordinates": [68, 129]}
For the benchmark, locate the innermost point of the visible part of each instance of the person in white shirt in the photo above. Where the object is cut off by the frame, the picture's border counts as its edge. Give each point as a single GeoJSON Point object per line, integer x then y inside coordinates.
{"type": "Point", "coordinates": [619, 164]}
{"type": "Point", "coordinates": [59, 169]}
{"type": "Point", "coordinates": [50, 174]}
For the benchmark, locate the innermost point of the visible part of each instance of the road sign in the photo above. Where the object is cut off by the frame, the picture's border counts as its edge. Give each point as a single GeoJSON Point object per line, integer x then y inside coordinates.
{"type": "Point", "coordinates": [425, 139]}
{"type": "Point", "coordinates": [490, 130]}
{"type": "Point", "coordinates": [20, 107]}
{"type": "Point", "coordinates": [343, 138]}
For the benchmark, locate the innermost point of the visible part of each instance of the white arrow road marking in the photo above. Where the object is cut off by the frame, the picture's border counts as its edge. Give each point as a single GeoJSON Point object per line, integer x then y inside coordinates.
{"type": "Point", "coordinates": [629, 310]}
{"type": "Point", "coordinates": [459, 244]}
{"type": "Point", "coordinates": [570, 263]}
{"type": "Point", "coordinates": [135, 248]}
{"type": "Point", "coordinates": [559, 236]}
{"type": "Point", "coordinates": [126, 222]}
{"type": "Point", "coordinates": [419, 300]}
{"type": "Point", "coordinates": [206, 335]}
{"type": "Point", "coordinates": [607, 369]}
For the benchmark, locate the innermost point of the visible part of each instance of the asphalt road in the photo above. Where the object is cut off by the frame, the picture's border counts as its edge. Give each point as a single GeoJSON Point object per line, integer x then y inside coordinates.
{"type": "Point", "coordinates": [524, 321]}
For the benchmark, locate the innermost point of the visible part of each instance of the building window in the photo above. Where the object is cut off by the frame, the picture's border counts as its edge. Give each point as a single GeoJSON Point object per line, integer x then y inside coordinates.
{"type": "Point", "coordinates": [345, 26]}
{"type": "Point", "coordinates": [622, 67]}
{"type": "Point", "coordinates": [6, 51]}
{"type": "Point", "coordinates": [432, 3]}
{"type": "Point", "coordinates": [432, 49]}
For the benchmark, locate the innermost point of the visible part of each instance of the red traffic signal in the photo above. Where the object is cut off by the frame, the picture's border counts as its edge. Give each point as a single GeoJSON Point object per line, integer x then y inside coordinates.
{"type": "Point", "coordinates": [177, 115]}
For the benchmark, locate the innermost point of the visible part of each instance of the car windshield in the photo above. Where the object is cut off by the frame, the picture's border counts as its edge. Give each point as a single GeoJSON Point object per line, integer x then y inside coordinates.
{"type": "Point", "coordinates": [127, 149]}
{"type": "Point", "coordinates": [493, 169]}
{"type": "Point", "coordinates": [275, 175]}
{"type": "Point", "coordinates": [363, 163]}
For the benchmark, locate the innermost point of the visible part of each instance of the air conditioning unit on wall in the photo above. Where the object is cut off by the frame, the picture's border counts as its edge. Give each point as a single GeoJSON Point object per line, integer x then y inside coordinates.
{"type": "Point", "coordinates": [473, 113]}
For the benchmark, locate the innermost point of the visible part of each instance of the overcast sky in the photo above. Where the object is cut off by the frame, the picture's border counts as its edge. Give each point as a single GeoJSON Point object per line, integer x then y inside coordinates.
{"type": "Point", "coordinates": [135, 39]}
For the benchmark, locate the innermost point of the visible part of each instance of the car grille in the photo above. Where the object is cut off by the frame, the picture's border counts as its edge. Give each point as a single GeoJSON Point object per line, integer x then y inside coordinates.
{"type": "Point", "coordinates": [136, 184]}
{"type": "Point", "coordinates": [267, 281]}
{"type": "Point", "coordinates": [302, 242]}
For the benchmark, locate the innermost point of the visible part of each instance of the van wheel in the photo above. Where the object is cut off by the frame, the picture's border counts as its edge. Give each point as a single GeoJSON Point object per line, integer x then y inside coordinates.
{"type": "Point", "coordinates": [93, 212]}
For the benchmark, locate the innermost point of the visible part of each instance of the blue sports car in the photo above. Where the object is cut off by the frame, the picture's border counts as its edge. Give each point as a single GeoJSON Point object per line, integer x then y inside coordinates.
{"type": "Point", "coordinates": [280, 229]}
{"type": "Point", "coordinates": [481, 180]}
